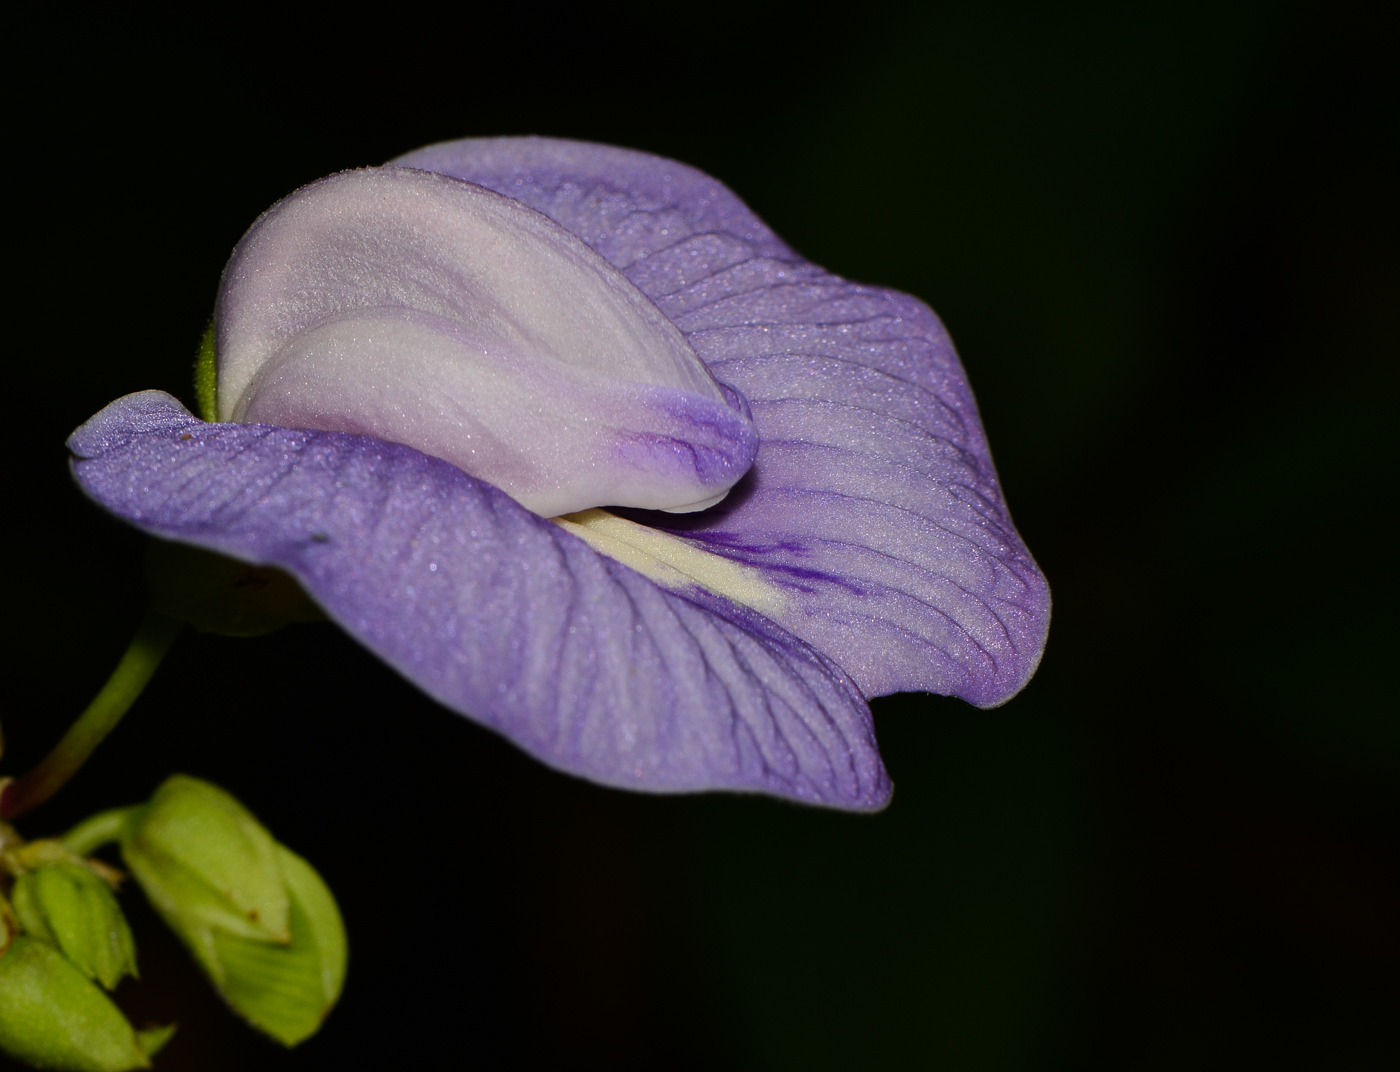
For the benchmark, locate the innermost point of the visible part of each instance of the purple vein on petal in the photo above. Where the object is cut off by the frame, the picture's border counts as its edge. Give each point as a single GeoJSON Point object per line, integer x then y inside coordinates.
{"type": "Point", "coordinates": [932, 591]}
{"type": "Point", "coordinates": [494, 611]}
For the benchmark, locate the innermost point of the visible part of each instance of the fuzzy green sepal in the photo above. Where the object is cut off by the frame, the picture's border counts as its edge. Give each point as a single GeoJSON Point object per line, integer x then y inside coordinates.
{"type": "Point", "coordinates": [206, 377]}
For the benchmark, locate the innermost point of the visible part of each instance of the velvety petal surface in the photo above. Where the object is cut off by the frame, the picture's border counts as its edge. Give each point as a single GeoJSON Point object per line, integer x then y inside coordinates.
{"type": "Point", "coordinates": [873, 501]}
{"type": "Point", "coordinates": [494, 611]}
{"type": "Point", "coordinates": [402, 304]}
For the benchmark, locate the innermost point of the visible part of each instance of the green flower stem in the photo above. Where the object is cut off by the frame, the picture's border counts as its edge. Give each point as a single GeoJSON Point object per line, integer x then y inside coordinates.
{"type": "Point", "coordinates": [98, 830]}
{"type": "Point", "coordinates": [153, 639]}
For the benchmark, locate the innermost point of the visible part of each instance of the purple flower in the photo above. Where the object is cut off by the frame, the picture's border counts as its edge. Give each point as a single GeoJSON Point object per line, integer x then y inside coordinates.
{"type": "Point", "coordinates": [867, 549]}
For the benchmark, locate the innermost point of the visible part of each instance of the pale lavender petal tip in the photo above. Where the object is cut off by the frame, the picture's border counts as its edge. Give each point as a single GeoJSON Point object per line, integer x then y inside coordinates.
{"type": "Point", "coordinates": [410, 306]}
{"type": "Point", "coordinates": [494, 611]}
{"type": "Point", "coordinates": [873, 499]}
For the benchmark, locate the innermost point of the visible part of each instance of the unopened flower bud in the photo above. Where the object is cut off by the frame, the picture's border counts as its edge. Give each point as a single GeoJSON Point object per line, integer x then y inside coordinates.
{"type": "Point", "coordinates": [52, 1016]}
{"type": "Point", "coordinates": [205, 862]}
{"type": "Point", "coordinates": [286, 991]}
{"type": "Point", "coordinates": [258, 919]}
{"type": "Point", "coordinates": [68, 905]}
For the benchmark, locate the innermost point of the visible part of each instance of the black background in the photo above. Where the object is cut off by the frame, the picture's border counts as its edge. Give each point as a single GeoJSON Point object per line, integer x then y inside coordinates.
{"type": "Point", "coordinates": [1163, 236]}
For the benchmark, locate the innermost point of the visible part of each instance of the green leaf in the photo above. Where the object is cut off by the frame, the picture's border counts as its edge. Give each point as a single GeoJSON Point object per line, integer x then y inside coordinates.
{"type": "Point", "coordinates": [206, 862]}
{"type": "Point", "coordinates": [51, 1016]}
{"type": "Point", "coordinates": [286, 991]}
{"type": "Point", "coordinates": [70, 906]}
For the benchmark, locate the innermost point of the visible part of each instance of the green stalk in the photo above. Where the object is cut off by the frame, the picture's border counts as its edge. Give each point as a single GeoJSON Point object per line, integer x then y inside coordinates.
{"type": "Point", "coordinates": [97, 830]}
{"type": "Point", "coordinates": [152, 640]}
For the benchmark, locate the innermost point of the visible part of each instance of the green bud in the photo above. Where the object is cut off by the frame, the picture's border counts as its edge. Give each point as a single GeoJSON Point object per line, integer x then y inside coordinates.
{"type": "Point", "coordinates": [258, 919]}
{"type": "Point", "coordinates": [51, 1016]}
{"type": "Point", "coordinates": [71, 907]}
{"type": "Point", "coordinates": [286, 991]}
{"type": "Point", "coordinates": [206, 863]}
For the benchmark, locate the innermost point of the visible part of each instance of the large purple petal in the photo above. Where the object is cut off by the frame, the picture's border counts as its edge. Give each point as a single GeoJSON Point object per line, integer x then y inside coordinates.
{"type": "Point", "coordinates": [495, 611]}
{"type": "Point", "coordinates": [874, 499]}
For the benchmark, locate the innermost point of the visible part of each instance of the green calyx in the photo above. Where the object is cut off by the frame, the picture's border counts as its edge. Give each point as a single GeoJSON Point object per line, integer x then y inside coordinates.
{"type": "Point", "coordinates": [206, 377]}
{"type": "Point", "coordinates": [216, 594]}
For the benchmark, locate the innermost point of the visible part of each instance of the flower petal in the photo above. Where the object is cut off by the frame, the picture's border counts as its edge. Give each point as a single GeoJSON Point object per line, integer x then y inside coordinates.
{"type": "Point", "coordinates": [494, 611]}
{"type": "Point", "coordinates": [431, 312]}
{"type": "Point", "coordinates": [873, 498]}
